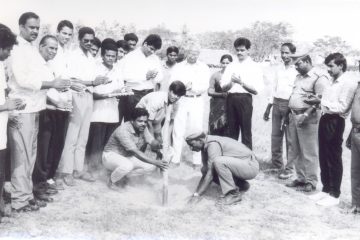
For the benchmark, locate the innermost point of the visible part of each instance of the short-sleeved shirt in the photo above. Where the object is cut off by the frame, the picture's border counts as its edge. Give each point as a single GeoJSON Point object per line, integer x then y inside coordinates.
{"type": "Point", "coordinates": [125, 139]}
{"type": "Point", "coordinates": [314, 82]}
{"type": "Point", "coordinates": [156, 103]}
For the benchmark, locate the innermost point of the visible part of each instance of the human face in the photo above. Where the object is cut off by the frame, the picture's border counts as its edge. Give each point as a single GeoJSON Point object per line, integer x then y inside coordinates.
{"type": "Point", "coordinates": [140, 123]}
{"type": "Point", "coordinates": [196, 145]}
{"type": "Point", "coordinates": [94, 50]}
{"type": "Point", "coordinates": [224, 63]}
{"type": "Point", "coordinates": [5, 53]}
{"type": "Point", "coordinates": [148, 49]}
{"type": "Point", "coordinates": [109, 58]}
{"type": "Point", "coordinates": [49, 49]}
{"type": "Point", "coordinates": [64, 35]}
{"type": "Point", "coordinates": [334, 70]}
{"type": "Point", "coordinates": [302, 67]}
{"type": "Point", "coordinates": [86, 42]}
{"type": "Point", "coordinates": [132, 44]}
{"type": "Point", "coordinates": [172, 57]}
{"type": "Point", "coordinates": [121, 53]}
{"type": "Point", "coordinates": [193, 56]}
{"type": "Point", "coordinates": [173, 97]}
{"type": "Point", "coordinates": [242, 53]}
{"type": "Point", "coordinates": [30, 30]}
{"type": "Point", "coordinates": [285, 54]}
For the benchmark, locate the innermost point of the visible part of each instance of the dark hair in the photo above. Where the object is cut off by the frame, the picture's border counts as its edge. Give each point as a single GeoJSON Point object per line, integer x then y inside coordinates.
{"type": "Point", "coordinates": [226, 56]}
{"type": "Point", "coordinates": [306, 58]}
{"type": "Point", "coordinates": [123, 44]}
{"type": "Point", "coordinates": [172, 49]}
{"type": "Point", "coordinates": [153, 40]}
{"type": "Point", "coordinates": [25, 16]}
{"type": "Point", "coordinates": [7, 37]}
{"type": "Point", "coordinates": [108, 44]}
{"type": "Point", "coordinates": [242, 42]}
{"type": "Point", "coordinates": [290, 46]}
{"type": "Point", "coordinates": [338, 58]}
{"type": "Point", "coordinates": [131, 37]}
{"type": "Point", "coordinates": [85, 30]}
{"type": "Point", "coordinates": [97, 42]}
{"type": "Point", "coordinates": [64, 23]}
{"type": "Point", "coordinates": [139, 112]}
{"type": "Point", "coordinates": [45, 38]}
{"type": "Point", "coordinates": [178, 88]}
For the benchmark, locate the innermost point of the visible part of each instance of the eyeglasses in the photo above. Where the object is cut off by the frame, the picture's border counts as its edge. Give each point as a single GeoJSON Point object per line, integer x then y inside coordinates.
{"type": "Point", "coordinates": [88, 41]}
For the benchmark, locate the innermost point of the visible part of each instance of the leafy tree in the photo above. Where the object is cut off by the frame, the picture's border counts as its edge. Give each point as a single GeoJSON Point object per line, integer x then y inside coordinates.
{"type": "Point", "coordinates": [328, 44]}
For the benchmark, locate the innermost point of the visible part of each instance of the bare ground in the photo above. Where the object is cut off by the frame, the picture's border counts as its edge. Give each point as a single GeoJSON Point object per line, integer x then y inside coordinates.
{"type": "Point", "coordinates": [268, 211]}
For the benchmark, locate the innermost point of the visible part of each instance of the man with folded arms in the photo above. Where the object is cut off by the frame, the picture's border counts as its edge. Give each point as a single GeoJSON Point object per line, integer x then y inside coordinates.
{"type": "Point", "coordinates": [335, 106]}
{"type": "Point", "coordinates": [226, 162]}
{"type": "Point", "coordinates": [127, 151]}
{"type": "Point", "coordinates": [29, 75]}
{"type": "Point", "coordinates": [303, 126]}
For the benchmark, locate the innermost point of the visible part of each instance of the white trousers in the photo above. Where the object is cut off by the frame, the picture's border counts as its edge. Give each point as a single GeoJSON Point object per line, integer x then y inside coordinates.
{"type": "Point", "coordinates": [122, 166]}
{"type": "Point", "coordinates": [188, 119]}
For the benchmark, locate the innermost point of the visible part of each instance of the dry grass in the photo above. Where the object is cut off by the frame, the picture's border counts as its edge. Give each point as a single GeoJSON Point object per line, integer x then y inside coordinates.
{"type": "Point", "coordinates": [268, 211]}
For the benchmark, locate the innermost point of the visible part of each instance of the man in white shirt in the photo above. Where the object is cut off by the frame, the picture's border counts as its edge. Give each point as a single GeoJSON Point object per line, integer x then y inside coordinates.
{"type": "Point", "coordinates": [7, 41]}
{"type": "Point", "coordinates": [105, 115]}
{"type": "Point", "coordinates": [241, 80]}
{"type": "Point", "coordinates": [141, 70]}
{"type": "Point", "coordinates": [168, 65]}
{"type": "Point", "coordinates": [195, 75]}
{"type": "Point", "coordinates": [81, 69]}
{"type": "Point", "coordinates": [28, 76]}
{"type": "Point", "coordinates": [283, 83]}
{"type": "Point", "coordinates": [132, 40]}
{"type": "Point", "coordinates": [53, 120]}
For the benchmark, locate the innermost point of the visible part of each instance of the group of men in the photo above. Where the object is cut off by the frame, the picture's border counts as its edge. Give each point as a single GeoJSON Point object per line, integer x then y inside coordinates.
{"type": "Point", "coordinates": [67, 112]}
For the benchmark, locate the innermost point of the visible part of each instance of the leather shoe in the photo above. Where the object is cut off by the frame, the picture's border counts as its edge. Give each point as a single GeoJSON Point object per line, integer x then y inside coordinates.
{"type": "Point", "coordinates": [39, 203]}
{"type": "Point", "coordinates": [295, 183]}
{"type": "Point", "coordinates": [231, 198]}
{"type": "Point", "coordinates": [44, 197]}
{"type": "Point", "coordinates": [69, 180]}
{"type": "Point", "coordinates": [27, 208]}
{"type": "Point", "coordinates": [309, 187]}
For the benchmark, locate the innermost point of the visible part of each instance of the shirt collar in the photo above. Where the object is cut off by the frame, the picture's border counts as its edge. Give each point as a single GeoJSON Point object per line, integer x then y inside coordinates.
{"type": "Point", "coordinates": [22, 41]}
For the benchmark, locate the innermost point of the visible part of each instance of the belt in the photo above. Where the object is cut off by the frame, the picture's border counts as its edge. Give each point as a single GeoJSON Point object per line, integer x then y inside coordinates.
{"type": "Point", "coordinates": [143, 91]}
{"type": "Point", "coordinates": [297, 112]}
{"type": "Point", "coordinates": [193, 96]}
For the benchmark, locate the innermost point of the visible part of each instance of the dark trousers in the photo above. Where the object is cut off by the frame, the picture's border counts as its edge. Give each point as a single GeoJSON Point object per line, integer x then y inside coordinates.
{"type": "Point", "coordinates": [279, 114]}
{"type": "Point", "coordinates": [51, 139]}
{"type": "Point", "coordinates": [355, 165]}
{"type": "Point", "coordinates": [130, 102]}
{"type": "Point", "coordinates": [331, 129]}
{"type": "Point", "coordinates": [2, 179]}
{"type": "Point", "coordinates": [99, 134]}
{"type": "Point", "coordinates": [239, 113]}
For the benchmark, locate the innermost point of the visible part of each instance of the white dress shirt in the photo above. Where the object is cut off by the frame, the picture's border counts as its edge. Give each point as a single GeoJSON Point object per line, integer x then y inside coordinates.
{"type": "Point", "coordinates": [250, 73]}
{"type": "Point", "coordinates": [196, 75]}
{"type": "Point", "coordinates": [27, 70]}
{"type": "Point", "coordinates": [106, 110]}
{"type": "Point", "coordinates": [338, 96]}
{"type": "Point", "coordinates": [283, 82]}
{"type": "Point", "coordinates": [134, 67]}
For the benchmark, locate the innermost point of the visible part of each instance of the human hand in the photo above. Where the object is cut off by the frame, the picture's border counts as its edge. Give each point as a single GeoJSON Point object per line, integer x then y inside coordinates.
{"type": "Point", "coordinates": [77, 86]}
{"type": "Point", "coordinates": [236, 79]}
{"type": "Point", "coordinates": [301, 120]}
{"type": "Point", "coordinates": [14, 104]}
{"type": "Point", "coordinates": [61, 84]}
{"type": "Point", "coordinates": [194, 199]}
{"type": "Point", "coordinates": [162, 164]}
{"type": "Point", "coordinates": [100, 80]}
{"type": "Point", "coordinates": [312, 99]}
{"type": "Point", "coordinates": [151, 74]}
{"type": "Point", "coordinates": [266, 114]}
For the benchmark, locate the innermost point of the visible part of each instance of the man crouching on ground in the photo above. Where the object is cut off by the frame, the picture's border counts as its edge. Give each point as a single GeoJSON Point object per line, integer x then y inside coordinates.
{"type": "Point", "coordinates": [225, 161]}
{"type": "Point", "coordinates": [126, 151]}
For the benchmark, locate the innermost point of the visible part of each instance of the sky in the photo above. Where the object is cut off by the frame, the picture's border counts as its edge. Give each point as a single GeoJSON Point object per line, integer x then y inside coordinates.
{"type": "Point", "coordinates": [311, 19]}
